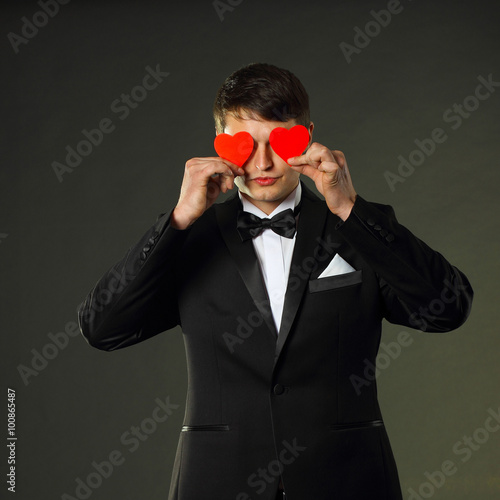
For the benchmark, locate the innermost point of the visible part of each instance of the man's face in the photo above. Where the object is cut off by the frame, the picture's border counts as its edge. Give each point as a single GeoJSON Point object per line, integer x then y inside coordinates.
{"type": "Point", "coordinates": [268, 179]}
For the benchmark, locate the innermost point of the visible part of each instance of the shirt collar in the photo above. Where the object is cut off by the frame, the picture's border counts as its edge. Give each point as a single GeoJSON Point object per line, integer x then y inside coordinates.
{"type": "Point", "coordinates": [291, 201]}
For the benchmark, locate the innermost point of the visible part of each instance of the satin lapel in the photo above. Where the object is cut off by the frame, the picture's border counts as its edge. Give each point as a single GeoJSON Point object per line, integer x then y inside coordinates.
{"type": "Point", "coordinates": [244, 255]}
{"type": "Point", "coordinates": [307, 245]}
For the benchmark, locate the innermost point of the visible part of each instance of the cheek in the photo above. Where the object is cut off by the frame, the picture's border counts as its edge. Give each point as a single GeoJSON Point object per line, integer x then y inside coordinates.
{"type": "Point", "coordinates": [282, 167]}
{"type": "Point", "coordinates": [290, 174]}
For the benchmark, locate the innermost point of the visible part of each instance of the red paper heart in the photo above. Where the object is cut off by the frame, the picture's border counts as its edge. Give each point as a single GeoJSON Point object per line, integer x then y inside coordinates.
{"type": "Point", "coordinates": [287, 143]}
{"type": "Point", "coordinates": [236, 148]}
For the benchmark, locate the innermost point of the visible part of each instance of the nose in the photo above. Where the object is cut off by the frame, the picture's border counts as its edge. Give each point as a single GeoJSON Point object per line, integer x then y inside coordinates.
{"type": "Point", "coordinates": [262, 157]}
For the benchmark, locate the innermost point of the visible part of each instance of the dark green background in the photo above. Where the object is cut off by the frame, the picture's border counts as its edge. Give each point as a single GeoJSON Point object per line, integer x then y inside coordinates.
{"type": "Point", "coordinates": [61, 236]}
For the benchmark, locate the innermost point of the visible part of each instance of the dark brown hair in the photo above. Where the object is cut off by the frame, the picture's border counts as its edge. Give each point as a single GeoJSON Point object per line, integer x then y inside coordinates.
{"type": "Point", "coordinates": [264, 91]}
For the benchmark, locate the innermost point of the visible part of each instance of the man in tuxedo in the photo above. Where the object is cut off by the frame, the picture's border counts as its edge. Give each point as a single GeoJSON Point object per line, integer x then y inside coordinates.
{"type": "Point", "coordinates": [280, 296]}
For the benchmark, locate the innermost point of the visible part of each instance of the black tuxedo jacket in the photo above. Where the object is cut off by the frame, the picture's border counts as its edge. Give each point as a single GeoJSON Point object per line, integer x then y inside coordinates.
{"type": "Point", "coordinates": [264, 405]}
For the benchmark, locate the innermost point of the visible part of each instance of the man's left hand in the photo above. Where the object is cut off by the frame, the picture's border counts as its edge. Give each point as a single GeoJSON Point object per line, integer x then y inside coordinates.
{"type": "Point", "coordinates": [328, 169]}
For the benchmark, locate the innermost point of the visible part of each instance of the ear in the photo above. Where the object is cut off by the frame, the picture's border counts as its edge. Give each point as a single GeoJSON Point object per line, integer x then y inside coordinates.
{"type": "Point", "coordinates": [311, 128]}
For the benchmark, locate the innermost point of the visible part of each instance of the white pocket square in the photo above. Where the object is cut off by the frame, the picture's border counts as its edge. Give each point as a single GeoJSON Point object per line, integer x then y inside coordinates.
{"type": "Point", "coordinates": [337, 266]}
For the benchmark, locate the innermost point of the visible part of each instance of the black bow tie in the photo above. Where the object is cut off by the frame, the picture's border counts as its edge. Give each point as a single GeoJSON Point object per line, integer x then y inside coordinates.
{"type": "Point", "coordinates": [250, 225]}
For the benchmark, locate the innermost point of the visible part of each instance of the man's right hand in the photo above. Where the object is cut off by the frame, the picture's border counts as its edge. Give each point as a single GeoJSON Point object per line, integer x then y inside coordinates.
{"type": "Point", "coordinates": [204, 179]}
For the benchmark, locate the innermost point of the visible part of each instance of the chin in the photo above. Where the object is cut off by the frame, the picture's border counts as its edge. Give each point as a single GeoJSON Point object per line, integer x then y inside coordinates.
{"type": "Point", "coordinates": [265, 193]}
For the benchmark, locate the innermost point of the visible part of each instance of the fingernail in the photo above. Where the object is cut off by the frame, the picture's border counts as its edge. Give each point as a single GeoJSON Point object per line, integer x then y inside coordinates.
{"type": "Point", "coordinates": [241, 171]}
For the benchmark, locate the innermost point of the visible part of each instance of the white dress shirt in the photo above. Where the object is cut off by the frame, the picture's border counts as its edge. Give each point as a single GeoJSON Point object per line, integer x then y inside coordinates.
{"type": "Point", "coordinates": [274, 253]}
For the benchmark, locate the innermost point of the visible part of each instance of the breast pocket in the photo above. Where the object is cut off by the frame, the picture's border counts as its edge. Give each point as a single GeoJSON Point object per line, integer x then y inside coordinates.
{"type": "Point", "coordinates": [205, 428]}
{"type": "Point", "coordinates": [338, 281]}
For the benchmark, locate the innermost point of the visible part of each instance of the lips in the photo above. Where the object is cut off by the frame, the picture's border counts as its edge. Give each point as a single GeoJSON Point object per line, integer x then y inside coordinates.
{"type": "Point", "coordinates": [265, 181]}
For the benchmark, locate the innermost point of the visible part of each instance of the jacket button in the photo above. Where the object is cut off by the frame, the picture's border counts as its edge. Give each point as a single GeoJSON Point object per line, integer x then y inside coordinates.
{"type": "Point", "coordinates": [143, 255]}
{"type": "Point", "coordinates": [383, 233]}
{"type": "Point", "coordinates": [155, 235]}
{"type": "Point", "coordinates": [389, 237]}
{"type": "Point", "coordinates": [278, 389]}
{"type": "Point", "coordinates": [370, 222]}
{"type": "Point", "coordinates": [377, 227]}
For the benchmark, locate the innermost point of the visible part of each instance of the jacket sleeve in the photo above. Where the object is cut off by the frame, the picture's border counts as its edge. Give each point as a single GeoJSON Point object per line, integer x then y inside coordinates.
{"type": "Point", "coordinates": [420, 288]}
{"type": "Point", "coordinates": [136, 299]}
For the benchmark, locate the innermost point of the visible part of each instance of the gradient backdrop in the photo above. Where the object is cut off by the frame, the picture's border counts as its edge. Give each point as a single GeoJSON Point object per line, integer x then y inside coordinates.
{"type": "Point", "coordinates": [77, 407]}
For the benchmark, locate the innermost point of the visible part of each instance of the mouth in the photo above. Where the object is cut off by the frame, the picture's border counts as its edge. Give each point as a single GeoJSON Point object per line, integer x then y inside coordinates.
{"type": "Point", "coordinates": [265, 181]}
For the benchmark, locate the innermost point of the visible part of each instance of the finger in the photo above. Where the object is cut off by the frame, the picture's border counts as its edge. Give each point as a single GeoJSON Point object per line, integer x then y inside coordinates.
{"type": "Point", "coordinates": [315, 155]}
{"type": "Point", "coordinates": [213, 189]}
{"type": "Point", "coordinates": [226, 182]}
{"type": "Point", "coordinates": [306, 169]}
{"type": "Point", "coordinates": [213, 170]}
{"type": "Point", "coordinates": [222, 181]}
{"type": "Point", "coordinates": [236, 169]}
{"type": "Point", "coordinates": [216, 160]}
{"type": "Point", "coordinates": [329, 167]}
{"type": "Point", "coordinates": [298, 160]}
{"type": "Point", "coordinates": [339, 158]}
{"type": "Point", "coordinates": [331, 172]}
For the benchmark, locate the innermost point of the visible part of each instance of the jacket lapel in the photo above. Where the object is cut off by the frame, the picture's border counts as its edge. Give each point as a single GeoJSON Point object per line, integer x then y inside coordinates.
{"type": "Point", "coordinates": [304, 260]}
{"type": "Point", "coordinates": [244, 255]}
